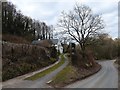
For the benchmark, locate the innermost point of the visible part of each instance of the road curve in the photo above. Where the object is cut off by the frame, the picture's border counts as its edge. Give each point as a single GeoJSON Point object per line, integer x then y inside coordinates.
{"type": "Point", "coordinates": [107, 77]}
{"type": "Point", "coordinates": [39, 83]}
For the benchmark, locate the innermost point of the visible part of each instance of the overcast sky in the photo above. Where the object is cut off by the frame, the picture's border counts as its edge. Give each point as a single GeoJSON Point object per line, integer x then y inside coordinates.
{"type": "Point", "coordinates": [48, 11]}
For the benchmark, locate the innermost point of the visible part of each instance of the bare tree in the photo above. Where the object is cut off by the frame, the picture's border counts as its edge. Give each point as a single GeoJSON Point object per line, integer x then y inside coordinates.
{"type": "Point", "coordinates": [81, 24]}
{"type": "Point", "coordinates": [50, 31]}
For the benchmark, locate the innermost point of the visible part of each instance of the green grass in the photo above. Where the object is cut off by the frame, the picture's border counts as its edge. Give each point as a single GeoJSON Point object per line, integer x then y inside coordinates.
{"type": "Point", "coordinates": [47, 71]}
{"type": "Point", "coordinates": [64, 77]}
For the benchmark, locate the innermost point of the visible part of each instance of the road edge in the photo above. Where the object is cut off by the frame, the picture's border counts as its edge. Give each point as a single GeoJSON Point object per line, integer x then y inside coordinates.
{"type": "Point", "coordinates": [22, 77]}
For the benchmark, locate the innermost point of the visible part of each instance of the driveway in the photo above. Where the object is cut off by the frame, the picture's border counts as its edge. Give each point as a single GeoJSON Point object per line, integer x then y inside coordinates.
{"type": "Point", "coordinates": [39, 83]}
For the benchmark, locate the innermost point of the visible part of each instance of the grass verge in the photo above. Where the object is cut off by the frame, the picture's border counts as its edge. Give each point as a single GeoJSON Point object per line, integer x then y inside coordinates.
{"type": "Point", "coordinates": [64, 77]}
{"type": "Point", "coordinates": [47, 71]}
{"type": "Point", "coordinates": [71, 74]}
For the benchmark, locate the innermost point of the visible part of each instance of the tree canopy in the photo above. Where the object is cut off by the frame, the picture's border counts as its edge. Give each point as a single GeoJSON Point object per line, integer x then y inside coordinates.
{"type": "Point", "coordinates": [81, 24]}
{"type": "Point", "coordinates": [15, 23]}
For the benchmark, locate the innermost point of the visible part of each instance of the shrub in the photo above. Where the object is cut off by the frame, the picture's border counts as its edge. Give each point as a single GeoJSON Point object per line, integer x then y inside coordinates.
{"type": "Point", "coordinates": [53, 52]}
{"type": "Point", "coordinates": [14, 39]}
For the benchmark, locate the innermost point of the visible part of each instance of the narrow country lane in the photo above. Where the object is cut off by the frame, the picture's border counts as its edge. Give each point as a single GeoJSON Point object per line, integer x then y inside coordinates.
{"type": "Point", "coordinates": [107, 77]}
{"type": "Point", "coordinates": [39, 83]}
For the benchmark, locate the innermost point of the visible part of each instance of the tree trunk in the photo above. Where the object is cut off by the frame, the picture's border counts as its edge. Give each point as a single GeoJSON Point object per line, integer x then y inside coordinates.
{"type": "Point", "coordinates": [83, 50]}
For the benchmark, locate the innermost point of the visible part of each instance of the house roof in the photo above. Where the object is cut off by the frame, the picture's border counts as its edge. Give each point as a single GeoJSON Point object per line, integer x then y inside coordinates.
{"type": "Point", "coordinates": [45, 43]}
{"type": "Point", "coordinates": [54, 41]}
